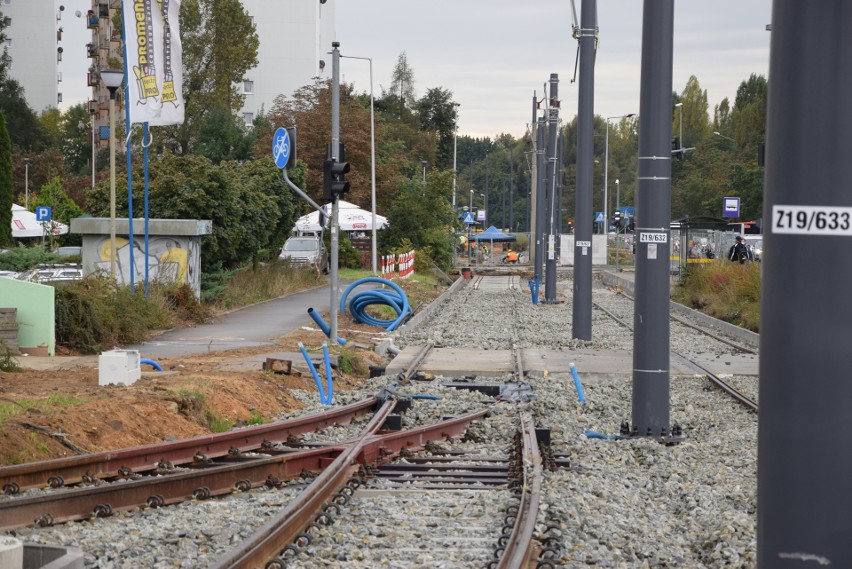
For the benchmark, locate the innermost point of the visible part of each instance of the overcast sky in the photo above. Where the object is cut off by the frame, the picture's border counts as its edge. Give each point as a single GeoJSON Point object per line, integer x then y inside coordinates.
{"type": "Point", "coordinates": [492, 54]}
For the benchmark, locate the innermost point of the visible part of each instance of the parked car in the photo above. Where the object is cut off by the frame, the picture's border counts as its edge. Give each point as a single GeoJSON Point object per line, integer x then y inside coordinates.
{"type": "Point", "coordinates": [308, 250]}
{"type": "Point", "coordinates": [53, 274]}
{"type": "Point", "coordinates": [754, 243]}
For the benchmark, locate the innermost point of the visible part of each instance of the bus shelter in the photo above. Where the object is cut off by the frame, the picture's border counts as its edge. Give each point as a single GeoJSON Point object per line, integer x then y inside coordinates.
{"type": "Point", "coordinates": [697, 240]}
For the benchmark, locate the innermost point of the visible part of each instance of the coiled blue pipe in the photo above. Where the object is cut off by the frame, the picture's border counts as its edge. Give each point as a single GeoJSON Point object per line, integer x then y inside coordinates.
{"type": "Point", "coordinates": [330, 393]}
{"type": "Point", "coordinates": [580, 395]}
{"type": "Point", "coordinates": [395, 298]}
{"type": "Point", "coordinates": [313, 372]}
{"type": "Point", "coordinates": [322, 324]}
{"type": "Point", "coordinates": [157, 366]}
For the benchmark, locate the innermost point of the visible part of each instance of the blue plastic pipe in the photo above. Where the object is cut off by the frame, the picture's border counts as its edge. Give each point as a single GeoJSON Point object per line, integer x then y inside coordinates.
{"type": "Point", "coordinates": [596, 435]}
{"type": "Point", "coordinates": [395, 298]}
{"type": "Point", "coordinates": [157, 366]}
{"type": "Point", "coordinates": [313, 372]}
{"type": "Point", "coordinates": [323, 325]}
{"type": "Point", "coordinates": [534, 290]}
{"type": "Point", "coordinates": [432, 397]}
{"type": "Point", "coordinates": [580, 395]}
{"type": "Point", "coordinates": [329, 385]}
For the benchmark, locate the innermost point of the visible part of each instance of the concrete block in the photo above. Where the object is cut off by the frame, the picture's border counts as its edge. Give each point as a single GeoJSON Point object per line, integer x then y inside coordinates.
{"type": "Point", "coordinates": [52, 557]}
{"type": "Point", "coordinates": [119, 366]}
{"type": "Point", "coordinates": [11, 553]}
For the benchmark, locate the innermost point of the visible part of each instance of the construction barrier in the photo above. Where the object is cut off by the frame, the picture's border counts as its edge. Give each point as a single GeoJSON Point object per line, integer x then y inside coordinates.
{"type": "Point", "coordinates": [388, 266]}
{"type": "Point", "coordinates": [406, 265]}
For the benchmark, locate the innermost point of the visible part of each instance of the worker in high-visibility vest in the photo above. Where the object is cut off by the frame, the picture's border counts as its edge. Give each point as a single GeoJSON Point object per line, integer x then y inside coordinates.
{"type": "Point", "coordinates": [511, 257]}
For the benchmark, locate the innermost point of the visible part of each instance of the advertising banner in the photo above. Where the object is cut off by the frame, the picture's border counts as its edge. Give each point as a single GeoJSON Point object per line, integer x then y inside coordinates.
{"type": "Point", "coordinates": [153, 61]}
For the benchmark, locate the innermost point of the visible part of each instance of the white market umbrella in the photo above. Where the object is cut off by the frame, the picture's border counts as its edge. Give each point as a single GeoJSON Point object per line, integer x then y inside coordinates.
{"type": "Point", "coordinates": [351, 217]}
{"type": "Point", "coordinates": [24, 224]}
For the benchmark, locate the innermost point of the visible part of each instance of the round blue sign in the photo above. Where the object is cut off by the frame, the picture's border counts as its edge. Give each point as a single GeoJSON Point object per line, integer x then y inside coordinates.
{"type": "Point", "coordinates": [281, 147]}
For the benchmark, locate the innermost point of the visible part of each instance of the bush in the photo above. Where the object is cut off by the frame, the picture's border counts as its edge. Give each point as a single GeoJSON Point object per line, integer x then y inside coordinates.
{"type": "Point", "coordinates": [96, 314]}
{"type": "Point", "coordinates": [22, 259]}
{"type": "Point", "coordinates": [727, 291]}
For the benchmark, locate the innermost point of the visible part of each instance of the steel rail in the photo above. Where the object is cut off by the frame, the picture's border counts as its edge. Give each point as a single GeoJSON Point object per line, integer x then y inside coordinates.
{"type": "Point", "coordinates": [155, 491]}
{"type": "Point", "coordinates": [265, 544]}
{"type": "Point", "coordinates": [519, 546]}
{"type": "Point", "coordinates": [714, 379]}
{"type": "Point", "coordinates": [122, 462]}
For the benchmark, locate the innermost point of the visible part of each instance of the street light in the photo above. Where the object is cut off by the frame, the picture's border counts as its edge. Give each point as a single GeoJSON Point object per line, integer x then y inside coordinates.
{"type": "Point", "coordinates": [680, 126]}
{"type": "Point", "coordinates": [455, 152]}
{"type": "Point", "coordinates": [606, 168]}
{"type": "Point", "coordinates": [112, 78]}
{"type": "Point", "coordinates": [717, 133]}
{"type": "Point", "coordinates": [424, 170]}
{"type": "Point", "coordinates": [26, 183]}
{"type": "Point", "coordinates": [372, 160]}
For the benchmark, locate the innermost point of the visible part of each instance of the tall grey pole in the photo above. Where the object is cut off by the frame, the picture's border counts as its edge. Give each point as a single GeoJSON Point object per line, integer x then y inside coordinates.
{"type": "Point", "coordinates": [553, 118]}
{"type": "Point", "coordinates": [653, 220]}
{"type": "Point", "coordinates": [511, 192]}
{"type": "Point", "coordinates": [534, 187]}
{"type": "Point", "coordinates": [335, 155]}
{"type": "Point", "coordinates": [26, 183]}
{"type": "Point", "coordinates": [618, 227]}
{"type": "Point", "coordinates": [541, 202]}
{"type": "Point", "coordinates": [804, 496]}
{"type": "Point", "coordinates": [583, 218]}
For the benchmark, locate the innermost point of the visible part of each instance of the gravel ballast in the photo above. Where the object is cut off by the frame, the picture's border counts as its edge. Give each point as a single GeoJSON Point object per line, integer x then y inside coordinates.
{"type": "Point", "coordinates": [619, 503]}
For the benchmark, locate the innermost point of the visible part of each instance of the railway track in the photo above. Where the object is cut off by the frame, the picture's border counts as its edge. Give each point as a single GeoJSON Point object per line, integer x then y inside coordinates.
{"type": "Point", "coordinates": [726, 387]}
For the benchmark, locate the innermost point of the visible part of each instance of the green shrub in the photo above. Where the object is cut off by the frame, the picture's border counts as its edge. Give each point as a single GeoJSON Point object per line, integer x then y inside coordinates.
{"type": "Point", "coordinates": [22, 259]}
{"type": "Point", "coordinates": [96, 314]}
{"type": "Point", "coordinates": [727, 291]}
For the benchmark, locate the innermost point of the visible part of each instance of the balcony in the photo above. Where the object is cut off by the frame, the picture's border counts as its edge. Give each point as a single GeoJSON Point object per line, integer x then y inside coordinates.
{"type": "Point", "coordinates": [91, 50]}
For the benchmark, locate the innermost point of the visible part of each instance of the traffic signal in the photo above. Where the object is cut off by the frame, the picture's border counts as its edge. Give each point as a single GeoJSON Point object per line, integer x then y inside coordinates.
{"type": "Point", "coordinates": [333, 182]}
{"type": "Point", "coordinates": [617, 218]}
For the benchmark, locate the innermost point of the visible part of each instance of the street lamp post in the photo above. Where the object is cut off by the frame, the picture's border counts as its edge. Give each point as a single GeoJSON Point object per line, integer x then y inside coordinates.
{"type": "Point", "coordinates": [372, 161]}
{"type": "Point", "coordinates": [617, 228]}
{"type": "Point", "coordinates": [717, 133]}
{"type": "Point", "coordinates": [606, 169]}
{"type": "Point", "coordinates": [680, 125]}
{"type": "Point", "coordinates": [455, 153]}
{"type": "Point", "coordinates": [26, 183]}
{"type": "Point", "coordinates": [424, 170]}
{"type": "Point", "coordinates": [112, 79]}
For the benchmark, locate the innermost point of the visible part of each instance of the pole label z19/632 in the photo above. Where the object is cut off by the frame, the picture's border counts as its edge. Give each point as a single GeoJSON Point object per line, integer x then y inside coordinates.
{"type": "Point", "coordinates": [655, 237]}
{"type": "Point", "coordinates": [810, 219]}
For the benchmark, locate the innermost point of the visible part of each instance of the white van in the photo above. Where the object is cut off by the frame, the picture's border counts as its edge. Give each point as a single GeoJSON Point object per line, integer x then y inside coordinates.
{"type": "Point", "coordinates": [307, 250]}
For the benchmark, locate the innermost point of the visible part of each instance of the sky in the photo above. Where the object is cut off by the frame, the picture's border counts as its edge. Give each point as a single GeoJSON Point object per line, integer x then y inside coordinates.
{"type": "Point", "coordinates": [494, 54]}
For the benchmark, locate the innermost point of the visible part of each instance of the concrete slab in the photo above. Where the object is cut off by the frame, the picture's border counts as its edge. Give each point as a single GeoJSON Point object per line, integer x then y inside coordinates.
{"type": "Point", "coordinates": [460, 362]}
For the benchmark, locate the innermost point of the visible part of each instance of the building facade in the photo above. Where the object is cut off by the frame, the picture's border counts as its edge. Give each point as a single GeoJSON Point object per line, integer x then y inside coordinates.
{"type": "Point", "coordinates": [294, 37]}
{"type": "Point", "coordinates": [104, 52]}
{"type": "Point", "coordinates": [33, 36]}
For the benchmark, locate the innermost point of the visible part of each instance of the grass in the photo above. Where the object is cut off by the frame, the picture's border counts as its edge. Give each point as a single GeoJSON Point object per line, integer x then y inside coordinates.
{"type": "Point", "coordinates": [9, 409]}
{"type": "Point", "coordinates": [216, 423]}
{"type": "Point", "coordinates": [724, 290]}
{"type": "Point", "coordinates": [271, 280]}
{"type": "Point", "coordinates": [8, 363]}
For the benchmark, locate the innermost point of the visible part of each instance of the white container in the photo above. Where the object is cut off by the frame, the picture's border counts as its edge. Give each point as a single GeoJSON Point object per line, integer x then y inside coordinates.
{"type": "Point", "coordinates": [119, 366]}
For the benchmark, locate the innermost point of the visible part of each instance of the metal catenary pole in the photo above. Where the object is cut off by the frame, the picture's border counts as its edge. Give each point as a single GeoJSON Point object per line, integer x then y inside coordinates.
{"type": "Point", "coordinates": [553, 118]}
{"type": "Point", "coordinates": [533, 186]}
{"type": "Point", "coordinates": [582, 306]}
{"type": "Point", "coordinates": [653, 206]}
{"type": "Point", "coordinates": [541, 202]}
{"type": "Point", "coordinates": [335, 155]}
{"type": "Point", "coordinates": [804, 496]}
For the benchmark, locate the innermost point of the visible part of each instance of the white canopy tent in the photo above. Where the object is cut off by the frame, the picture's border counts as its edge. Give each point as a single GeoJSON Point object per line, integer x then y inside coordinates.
{"type": "Point", "coordinates": [352, 218]}
{"type": "Point", "coordinates": [24, 224]}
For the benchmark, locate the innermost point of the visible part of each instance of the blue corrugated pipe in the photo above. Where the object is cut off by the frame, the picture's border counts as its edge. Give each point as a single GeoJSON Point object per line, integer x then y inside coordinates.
{"type": "Point", "coordinates": [157, 366]}
{"type": "Point", "coordinates": [534, 290]}
{"type": "Point", "coordinates": [580, 395]}
{"type": "Point", "coordinates": [395, 298]}
{"type": "Point", "coordinates": [322, 324]}
{"type": "Point", "coordinates": [432, 397]}
{"type": "Point", "coordinates": [313, 372]}
{"type": "Point", "coordinates": [596, 435]}
{"type": "Point", "coordinates": [330, 393]}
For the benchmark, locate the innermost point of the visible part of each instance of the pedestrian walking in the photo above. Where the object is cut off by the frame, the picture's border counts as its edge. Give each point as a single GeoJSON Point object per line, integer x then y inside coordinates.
{"type": "Point", "coordinates": [738, 251]}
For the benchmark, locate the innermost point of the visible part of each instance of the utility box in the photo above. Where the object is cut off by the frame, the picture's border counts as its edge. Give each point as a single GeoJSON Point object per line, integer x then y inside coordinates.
{"type": "Point", "coordinates": [119, 366]}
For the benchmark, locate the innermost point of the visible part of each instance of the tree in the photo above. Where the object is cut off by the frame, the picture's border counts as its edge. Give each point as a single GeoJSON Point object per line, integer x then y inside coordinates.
{"type": "Point", "coordinates": [75, 126]}
{"type": "Point", "coordinates": [220, 45]}
{"type": "Point", "coordinates": [402, 83]}
{"type": "Point", "coordinates": [722, 121]}
{"type": "Point", "coordinates": [438, 116]}
{"type": "Point", "coordinates": [223, 136]}
{"type": "Point", "coordinates": [695, 119]}
{"type": "Point", "coordinates": [749, 114]}
{"type": "Point", "coordinates": [63, 208]}
{"type": "Point", "coordinates": [5, 182]}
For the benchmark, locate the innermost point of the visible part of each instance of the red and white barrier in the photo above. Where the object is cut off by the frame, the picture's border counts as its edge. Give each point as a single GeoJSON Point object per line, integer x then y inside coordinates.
{"type": "Point", "coordinates": [406, 265]}
{"type": "Point", "coordinates": [388, 267]}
